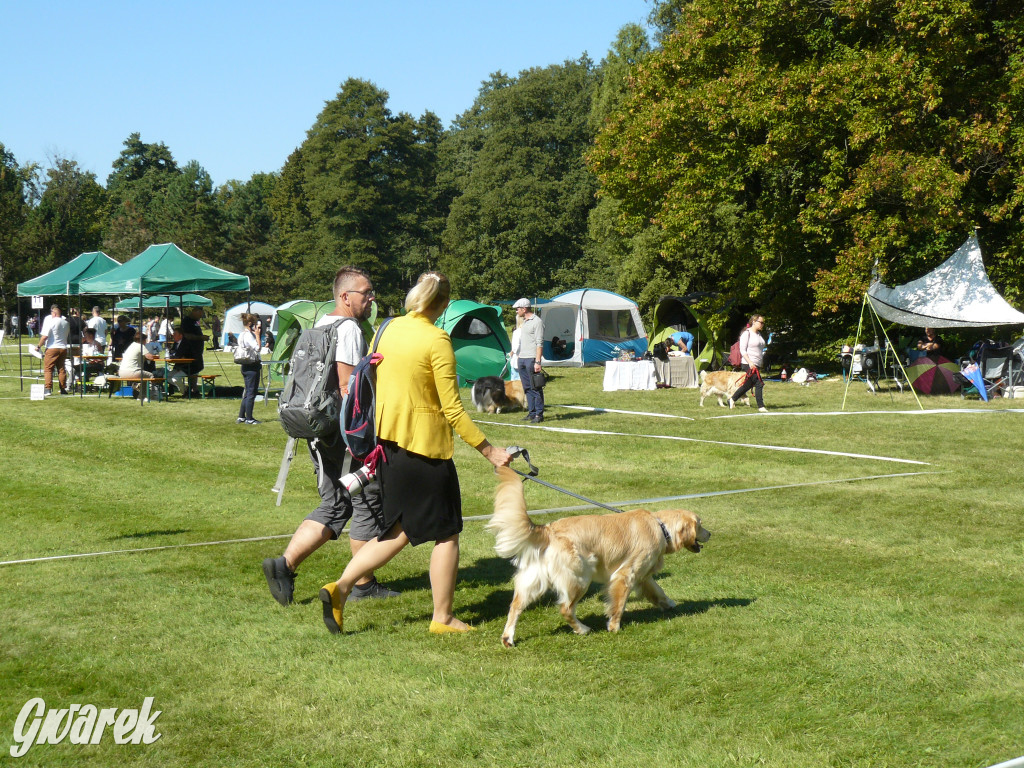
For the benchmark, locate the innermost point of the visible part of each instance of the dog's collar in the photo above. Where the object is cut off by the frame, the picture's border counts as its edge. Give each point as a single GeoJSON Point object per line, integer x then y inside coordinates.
{"type": "Point", "coordinates": [664, 532]}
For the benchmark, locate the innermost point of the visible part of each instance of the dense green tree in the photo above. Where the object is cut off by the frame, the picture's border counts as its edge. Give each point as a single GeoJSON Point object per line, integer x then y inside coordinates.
{"type": "Point", "coordinates": [13, 212]}
{"type": "Point", "coordinates": [188, 215]}
{"type": "Point", "coordinates": [615, 257]}
{"type": "Point", "coordinates": [359, 191]}
{"type": "Point", "coordinates": [68, 218]}
{"type": "Point", "coordinates": [151, 199]}
{"type": "Point", "coordinates": [136, 188]}
{"type": "Point", "coordinates": [518, 222]}
{"type": "Point", "coordinates": [784, 146]}
{"type": "Point", "coordinates": [251, 244]}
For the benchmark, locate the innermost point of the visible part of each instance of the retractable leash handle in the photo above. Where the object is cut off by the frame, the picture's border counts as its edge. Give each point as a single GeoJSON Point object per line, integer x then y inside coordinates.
{"type": "Point", "coordinates": [516, 451]}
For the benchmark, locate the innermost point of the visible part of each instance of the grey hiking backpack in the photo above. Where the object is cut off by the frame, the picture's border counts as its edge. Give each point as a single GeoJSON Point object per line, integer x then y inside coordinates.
{"type": "Point", "coordinates": [310, 404]}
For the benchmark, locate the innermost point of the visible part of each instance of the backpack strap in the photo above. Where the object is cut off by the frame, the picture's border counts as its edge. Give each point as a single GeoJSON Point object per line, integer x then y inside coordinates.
{"type": "Point", "coordinates": [377, 335]}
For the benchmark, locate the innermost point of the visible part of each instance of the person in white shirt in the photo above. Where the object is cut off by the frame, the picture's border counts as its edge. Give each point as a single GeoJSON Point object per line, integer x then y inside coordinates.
{"type": "Point", "coordinates": [752, 346]}
{"type": "Point", "coordinates": [54, 337]}
{"type": "Point", "coordinates": [98, 324]}
{"type": "Point", "coordinates": [134, 360]}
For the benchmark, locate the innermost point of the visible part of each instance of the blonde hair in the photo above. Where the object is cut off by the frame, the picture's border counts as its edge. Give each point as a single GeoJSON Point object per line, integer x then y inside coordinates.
{"type": "Point", "coordinates": [431, 292]}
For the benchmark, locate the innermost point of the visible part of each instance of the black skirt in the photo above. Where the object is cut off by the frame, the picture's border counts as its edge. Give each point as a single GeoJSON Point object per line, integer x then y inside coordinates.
{"type": "Point", "coordinates": [420, 493]}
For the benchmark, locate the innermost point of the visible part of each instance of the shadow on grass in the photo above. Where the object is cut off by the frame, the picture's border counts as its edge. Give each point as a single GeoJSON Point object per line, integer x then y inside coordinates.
{"type": "Point", "coordinates": [151, 534]}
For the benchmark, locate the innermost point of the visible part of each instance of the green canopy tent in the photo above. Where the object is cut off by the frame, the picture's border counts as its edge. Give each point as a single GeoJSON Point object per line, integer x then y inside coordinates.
{"type": "Point", "coordinates": [63, 281]}
{"type": "Point", "coordinates": [163, 269]}
{"type": "Point", "coordinates": [479, 338]}
{"type": "Point", "coordinates": [163, 301]}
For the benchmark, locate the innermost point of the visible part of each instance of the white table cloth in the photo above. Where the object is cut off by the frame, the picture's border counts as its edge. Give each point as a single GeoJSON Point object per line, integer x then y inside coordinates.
{"type": "Point", "coordinates": [635, 375]}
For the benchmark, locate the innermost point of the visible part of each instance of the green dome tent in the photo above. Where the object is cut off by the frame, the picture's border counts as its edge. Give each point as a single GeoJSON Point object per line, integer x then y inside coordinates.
{"type": "Point", "coordinates": [479, 338]}
{"type": "Point", "coordinates": [673, 313]}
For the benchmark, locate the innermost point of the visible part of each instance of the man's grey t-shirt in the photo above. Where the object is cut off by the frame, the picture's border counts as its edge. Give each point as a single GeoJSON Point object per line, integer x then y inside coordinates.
{"type": "Point", "coordinates": [531, 336]}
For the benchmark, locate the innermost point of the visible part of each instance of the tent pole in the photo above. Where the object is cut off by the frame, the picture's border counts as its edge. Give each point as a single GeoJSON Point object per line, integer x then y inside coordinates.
{"type": "Point", "coordinates": [856, 340]}
{"type": "Point", "coordinates": [81, 343]}
{"type": "Point", "coordinates": [21, 364]}
{"type": "Point", "coordinates": [900, 362]}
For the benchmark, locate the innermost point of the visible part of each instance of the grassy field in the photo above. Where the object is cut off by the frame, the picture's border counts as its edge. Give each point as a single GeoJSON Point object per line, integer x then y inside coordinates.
{"type": "Point", "coordinates": [831, 620]}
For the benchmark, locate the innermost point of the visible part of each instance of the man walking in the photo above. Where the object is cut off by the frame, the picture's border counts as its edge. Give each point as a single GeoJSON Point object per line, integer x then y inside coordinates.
{"type": "Point", "coordinates": [353, 298]}
{"type": "Point", "coordinates": [54, 337]}
{"type": "Point", "coordinates": [531, 348]}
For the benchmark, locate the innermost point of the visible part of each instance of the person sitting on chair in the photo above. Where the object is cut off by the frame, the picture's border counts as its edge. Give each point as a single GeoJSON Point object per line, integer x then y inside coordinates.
{"type": "Point", "coordinates": [930, 343]}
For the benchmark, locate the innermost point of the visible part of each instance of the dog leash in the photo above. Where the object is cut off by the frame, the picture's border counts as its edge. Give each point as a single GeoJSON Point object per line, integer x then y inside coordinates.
{"type": "Point", "coordinates": [516, 451]}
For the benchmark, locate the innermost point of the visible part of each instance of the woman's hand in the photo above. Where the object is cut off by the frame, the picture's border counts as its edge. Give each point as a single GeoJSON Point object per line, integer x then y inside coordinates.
{"type": "Point", "coordinates": [499, 457]}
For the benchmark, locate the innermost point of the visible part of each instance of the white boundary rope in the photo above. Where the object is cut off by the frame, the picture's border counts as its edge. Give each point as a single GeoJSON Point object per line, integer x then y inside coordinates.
{"type": "Point", "coordinates": [551, 510]}
{"type": "Point", "coordinates": [710, 442]}
{"type": "Point", "coordinates": [616, 410]}
{"type": "Point", "coordinates": [1017, 761]}
{"type": "Point", "coordinates": [869, 413]}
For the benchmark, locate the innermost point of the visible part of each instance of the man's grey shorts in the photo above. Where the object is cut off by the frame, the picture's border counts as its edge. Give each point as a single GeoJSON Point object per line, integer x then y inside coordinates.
{"type": "Point", "coordinates": [334, 511]}
{"type": "Point", "coordinates": [367, 519]}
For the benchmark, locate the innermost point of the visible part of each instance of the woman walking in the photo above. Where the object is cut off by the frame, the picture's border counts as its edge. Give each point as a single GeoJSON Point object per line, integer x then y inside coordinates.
{"type": "Point", "coordinates": [418, 405]}
{"type": "Point", "coordinates": [752, 347]}
{"type": "Point", "coordinates": [249, 349]}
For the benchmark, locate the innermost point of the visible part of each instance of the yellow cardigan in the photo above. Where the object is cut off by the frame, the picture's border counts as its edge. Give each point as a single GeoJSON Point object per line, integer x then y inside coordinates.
{"type": "Point", "coordinates": [417, 391]}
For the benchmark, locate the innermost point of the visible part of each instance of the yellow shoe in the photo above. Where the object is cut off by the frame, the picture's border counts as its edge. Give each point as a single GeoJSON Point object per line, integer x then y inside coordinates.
{"type": "Point", "coordinates": [437, 628]}
{"type": "Point", "coordinates": [330, 596]}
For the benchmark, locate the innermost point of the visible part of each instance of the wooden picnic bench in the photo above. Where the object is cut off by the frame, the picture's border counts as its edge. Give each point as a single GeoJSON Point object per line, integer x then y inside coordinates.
{"type": "Point", "coordinates": [208, 380]}
{"type": "Point", "coordinates": [114, 382]}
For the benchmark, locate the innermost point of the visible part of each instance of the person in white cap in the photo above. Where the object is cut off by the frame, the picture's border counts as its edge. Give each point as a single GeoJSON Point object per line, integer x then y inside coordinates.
{"type": "Point", "coordinates": [531, 347]}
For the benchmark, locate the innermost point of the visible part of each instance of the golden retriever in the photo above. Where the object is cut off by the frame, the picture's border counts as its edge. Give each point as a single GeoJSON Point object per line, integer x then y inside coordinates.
{"type": "Point", "coordinates": [722, 384]}
{"type": "Point", "coordinates": [623, 551]}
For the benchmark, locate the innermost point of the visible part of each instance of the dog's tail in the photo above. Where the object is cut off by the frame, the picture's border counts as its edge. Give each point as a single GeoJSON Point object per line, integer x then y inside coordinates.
{"type": "Point", "coordinates": [703, 375]}
{"type": "Point", "coordinates": [514, 531]}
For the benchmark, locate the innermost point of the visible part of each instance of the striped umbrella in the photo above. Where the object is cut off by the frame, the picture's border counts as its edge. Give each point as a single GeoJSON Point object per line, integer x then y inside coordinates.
{"type": "Point", "coordinates": [933, 375]}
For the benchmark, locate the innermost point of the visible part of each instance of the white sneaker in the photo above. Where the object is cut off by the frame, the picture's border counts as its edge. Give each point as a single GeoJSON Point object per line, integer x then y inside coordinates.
{"type": "Point", "coordinates": [762, 410]}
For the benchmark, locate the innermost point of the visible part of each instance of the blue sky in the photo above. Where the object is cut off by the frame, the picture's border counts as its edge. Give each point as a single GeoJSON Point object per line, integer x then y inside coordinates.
{"type": "Point", "coordinates": [235, 85]}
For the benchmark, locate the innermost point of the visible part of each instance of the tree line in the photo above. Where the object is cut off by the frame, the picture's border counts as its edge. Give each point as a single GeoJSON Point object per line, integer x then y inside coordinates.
{"type": "Point", "coordinates": [775, 154]}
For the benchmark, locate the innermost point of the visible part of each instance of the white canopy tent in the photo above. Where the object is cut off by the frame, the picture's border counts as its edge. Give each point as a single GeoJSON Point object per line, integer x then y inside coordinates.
{"type": "Point", "coordinates": [233, 318]}
{"type": "Point", "coordinates": [956, 294]}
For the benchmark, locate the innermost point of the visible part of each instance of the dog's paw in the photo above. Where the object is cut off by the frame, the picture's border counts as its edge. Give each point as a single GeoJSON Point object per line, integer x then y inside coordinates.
{"type": "Point", "coordinates": [613, 625]}
{"type": "Point", "coordinates": [498, 410]}
{"type": "Point", "coordinates": [668, 604]}
{"type": "Point", "coordinates": [507, 641]}
{"type": "Point", "coordinates": [582, 629]}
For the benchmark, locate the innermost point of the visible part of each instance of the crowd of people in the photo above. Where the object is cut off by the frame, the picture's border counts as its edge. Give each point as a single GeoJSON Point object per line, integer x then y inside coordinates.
{"type": "Point", "coordinates": [72, 347]}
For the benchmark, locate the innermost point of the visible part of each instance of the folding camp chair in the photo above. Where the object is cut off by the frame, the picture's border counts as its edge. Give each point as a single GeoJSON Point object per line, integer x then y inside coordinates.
{"type": "Point", "coordinates": [996, 366]}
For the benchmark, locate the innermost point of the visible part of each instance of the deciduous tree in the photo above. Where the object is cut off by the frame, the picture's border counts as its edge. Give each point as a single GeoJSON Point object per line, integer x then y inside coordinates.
{"type": "Point", "coordinates": [785, 146]}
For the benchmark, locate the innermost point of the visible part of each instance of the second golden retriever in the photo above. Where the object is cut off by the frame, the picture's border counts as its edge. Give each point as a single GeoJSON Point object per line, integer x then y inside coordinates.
{"type": "Point", "coordinates": [722, 384]}
{"type": "Point", "coordinates": [623, 551]}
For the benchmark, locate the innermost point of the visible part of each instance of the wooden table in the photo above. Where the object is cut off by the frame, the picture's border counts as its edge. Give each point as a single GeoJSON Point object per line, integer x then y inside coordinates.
{"type": "Point", "coordinates": [167, 363]}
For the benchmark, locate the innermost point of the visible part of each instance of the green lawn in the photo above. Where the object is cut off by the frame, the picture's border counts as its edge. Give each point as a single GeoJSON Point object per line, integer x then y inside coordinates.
{"type": "Point", "coordinates": [874, 622]}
